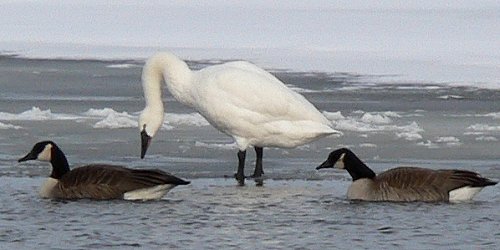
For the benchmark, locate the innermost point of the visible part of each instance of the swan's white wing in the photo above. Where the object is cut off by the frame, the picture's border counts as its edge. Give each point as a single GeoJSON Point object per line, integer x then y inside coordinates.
{"type": "Point", "coordinates": [243, 100]}
{"type": "Point", "coordinates": [244, 65]}
{"type": "Point", "coordinates": [249, 87]}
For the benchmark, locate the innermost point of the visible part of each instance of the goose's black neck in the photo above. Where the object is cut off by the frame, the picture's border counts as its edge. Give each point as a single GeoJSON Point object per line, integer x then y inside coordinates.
{"type": "Point", "coordinates": [59, 163]}
{"type": "Point", "coordinates": [356, 168]}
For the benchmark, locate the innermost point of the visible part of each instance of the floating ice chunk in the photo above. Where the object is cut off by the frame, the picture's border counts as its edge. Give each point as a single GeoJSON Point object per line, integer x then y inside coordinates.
{"type": "Point", "coordinates": [35, 114]}
{"type": "Point", "coordinates": [9, 126]}
{"type": "Point", "coordinates": [367, 145]}
{"type": "Point", "coordinates": [193, 119]}
{"type": "Point", "coordinates": [410, 132]}
{"type": "Point", "coordinates": [391, 114]}
{"type": "Point", "coordinates": [493, 115]}
{"type": "Point", "coordinates": [362, 122]}
{"type": "Point", "coordinates": [351, 124]}
{"type": "Point", "coordinates": [449, 140]}
{"type": "Point", "coordinates": [333, 116]}
{"type": "Point", "coordinates": [301, 90]}
{"type": "Point", "coordinates": [105, 112]}
{"type": "Point", "coordinates": [409, 136]}
{"type": "Point", "coordinates": [223, 146]}
{"type": "Point", "coordinates": [122, 120]}
{"type": "Point", "coordinates": [483, 127]}
{"type": "Point", "coordinates": [122, 66]}
{"type": "Point", "coordinates": [427, 144]}
{"type": "Point", "coordinates": [473, 133]}
{"type": "Point", "coordinates": [116, 121]}
{"type": "Point", "coordinates": [450, 97]}
{"type": "Point", "coordinates": [375, 118]}
{"type": "Point", "coordinates": [112, 119]}
{"type": "Point", "coordinates": [486, 138]}
{"type": "Point", "coordinates": [413, 126]}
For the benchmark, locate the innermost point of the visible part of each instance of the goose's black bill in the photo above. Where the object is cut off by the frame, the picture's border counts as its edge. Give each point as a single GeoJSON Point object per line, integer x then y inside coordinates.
{"type": "Point", "coordinates": [28, 157]}
{"type": "Point", "coordinates": [325, 164]}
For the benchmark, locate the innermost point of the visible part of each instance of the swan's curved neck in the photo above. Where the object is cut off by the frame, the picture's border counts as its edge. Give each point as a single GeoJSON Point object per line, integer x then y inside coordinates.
{"type": "Point", "coordinates": [176, 74]}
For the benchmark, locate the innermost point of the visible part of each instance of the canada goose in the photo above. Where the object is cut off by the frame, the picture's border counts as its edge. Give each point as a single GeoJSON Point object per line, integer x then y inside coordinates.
{"type": "Point", "coordinates": [237, 98]}
{"type": "Point", "coordinates": [406, 183]}
{"type": "Point", "coordinates": [99, 181]}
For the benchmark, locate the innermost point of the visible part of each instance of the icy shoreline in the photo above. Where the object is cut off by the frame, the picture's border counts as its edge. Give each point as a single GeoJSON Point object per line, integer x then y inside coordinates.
{"type": "Point", "coordinates": [444, 42]}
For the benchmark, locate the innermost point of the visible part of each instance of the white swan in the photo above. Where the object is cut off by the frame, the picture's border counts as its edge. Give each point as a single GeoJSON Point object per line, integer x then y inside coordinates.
{"type": "Point", "coordinates": [239, 99]}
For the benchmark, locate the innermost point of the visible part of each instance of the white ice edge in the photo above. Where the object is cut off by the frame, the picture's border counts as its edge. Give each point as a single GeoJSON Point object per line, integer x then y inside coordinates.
{"type": "Point", "coordinates": [447, 43]}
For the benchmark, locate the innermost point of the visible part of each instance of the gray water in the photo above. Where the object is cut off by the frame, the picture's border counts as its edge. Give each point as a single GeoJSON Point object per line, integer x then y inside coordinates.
{"type": "Point", "coordinates": [298, 207]}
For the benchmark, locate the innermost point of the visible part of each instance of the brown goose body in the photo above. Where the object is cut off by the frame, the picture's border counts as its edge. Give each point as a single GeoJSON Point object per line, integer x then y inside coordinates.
{"type": "Point", "coordinates": [108, 182]}
{"type": "Point", "coordinates": [406, 183]}
{"type": "Point", "coordinates": [99, 181]}
{"type": "Point", "coordinates": [415, 184]}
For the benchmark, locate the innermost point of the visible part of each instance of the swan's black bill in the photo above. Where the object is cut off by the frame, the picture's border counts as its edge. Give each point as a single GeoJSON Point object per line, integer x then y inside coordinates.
{"type": "Point", "coordinates": [145, 141]}
{"type": "Point", "coordinates": [28, 157]}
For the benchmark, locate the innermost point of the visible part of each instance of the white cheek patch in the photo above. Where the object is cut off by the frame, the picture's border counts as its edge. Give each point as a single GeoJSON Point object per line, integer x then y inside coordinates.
{"type": "Point", "coordinates": [340, 162]}
{"type": "Point", "coordinates": [46, 154]}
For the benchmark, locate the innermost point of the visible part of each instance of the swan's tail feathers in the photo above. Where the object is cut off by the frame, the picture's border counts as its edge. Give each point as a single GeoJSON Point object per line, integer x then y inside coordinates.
{"type": "Point", "coordinates": [326, 130]}
{"type": "Point", "coordinates": [306, 129]}
{"type": "Point", "coordinates": [314, 132]}
{"type": "Point", "coordinates": [335, 132]}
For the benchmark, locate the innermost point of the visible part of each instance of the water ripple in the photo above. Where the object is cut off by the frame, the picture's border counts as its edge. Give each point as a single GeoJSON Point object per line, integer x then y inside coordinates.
{"type": "Point", "coordinates": [214, 214]}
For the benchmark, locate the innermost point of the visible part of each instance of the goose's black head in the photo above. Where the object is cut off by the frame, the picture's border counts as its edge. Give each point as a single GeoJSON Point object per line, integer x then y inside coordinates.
{"type": "Point", "coordinates": [336, 159]}
{"type": "Point", "coordinates": [42, 151]}
{"type": "Point", "coordinates": [49, 151]}
{"type": "Point", "coordinates": [345, 159]}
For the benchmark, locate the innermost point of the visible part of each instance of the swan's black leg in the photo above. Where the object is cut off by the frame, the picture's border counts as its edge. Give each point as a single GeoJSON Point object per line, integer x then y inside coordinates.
{"type": "Point", "coordinates": [240, 175]}
{"type": "Point", "coordinates": [258, 172]}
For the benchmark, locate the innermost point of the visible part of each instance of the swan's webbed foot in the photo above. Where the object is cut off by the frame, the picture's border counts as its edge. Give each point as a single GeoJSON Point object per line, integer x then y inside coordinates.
{"type": "Point", "coordinates": [259, 180]}
{"type": "Point", "coordinates": [240, 178]}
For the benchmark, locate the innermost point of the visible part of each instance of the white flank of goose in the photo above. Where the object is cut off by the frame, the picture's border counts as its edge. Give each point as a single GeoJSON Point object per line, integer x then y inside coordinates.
{"type": "Point", "coordinates": [99, 181]}
{"type": "Point", "coordinates": [237, 98]}
{"type": "Point", "coordinates": [406, 183]}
